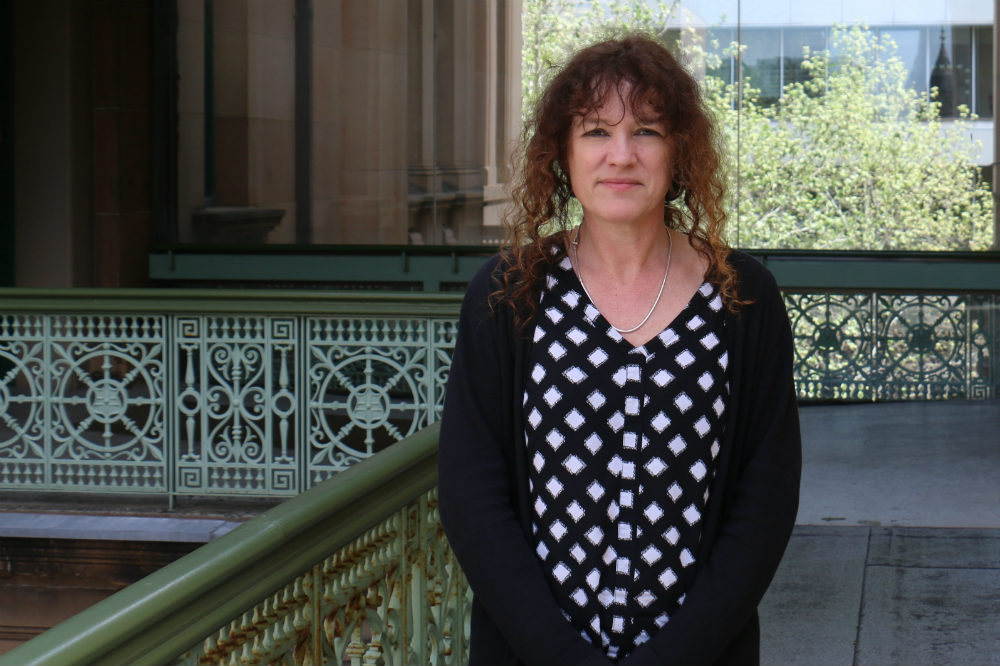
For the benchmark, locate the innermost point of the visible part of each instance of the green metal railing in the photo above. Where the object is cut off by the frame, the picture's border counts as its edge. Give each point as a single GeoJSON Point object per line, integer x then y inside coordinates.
{"type": "Point", "coordinates": [357, 568]}
{"type": "Point", "coordinates": [267, 393]}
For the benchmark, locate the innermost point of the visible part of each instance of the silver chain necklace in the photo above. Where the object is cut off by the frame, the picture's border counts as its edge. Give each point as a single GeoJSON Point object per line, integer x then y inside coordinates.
{"type": "Point", "coordinates": [579, 274]}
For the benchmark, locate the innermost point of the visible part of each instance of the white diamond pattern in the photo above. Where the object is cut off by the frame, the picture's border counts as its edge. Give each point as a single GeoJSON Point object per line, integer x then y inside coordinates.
{"type": "Point", "coordinates": [573, 464]}
{"type": "Point", "coordinates": [576, 336]}
{"type": "Point", "coordinates": [574, 419]}
{"type": "Point", "coordinates": [661, 378]}
{"type": "Point", "coordinates": [655, 466]}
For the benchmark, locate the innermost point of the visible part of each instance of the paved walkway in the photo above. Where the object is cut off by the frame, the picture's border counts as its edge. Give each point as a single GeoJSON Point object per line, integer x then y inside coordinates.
{"type": "Point", "coordinates": [896, 558]}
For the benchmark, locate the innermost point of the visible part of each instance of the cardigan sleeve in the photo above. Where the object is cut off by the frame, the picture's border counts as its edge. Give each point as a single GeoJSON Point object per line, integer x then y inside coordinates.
{"type": "Point", "coordinates": [756, 525]}
{"type": "Point", "coordinates": [476, 496]}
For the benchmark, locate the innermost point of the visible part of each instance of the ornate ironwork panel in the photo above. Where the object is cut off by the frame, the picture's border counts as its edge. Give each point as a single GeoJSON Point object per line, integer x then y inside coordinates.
{"type": "Point", "coordinates": [83, 400]}
{"type": "Point", "coordinates": [984, 343]}
{"type": "Point", "coordinates": [370, 383]}
{"type": "Point", "coordinates": [24, 402]}
{"type": "Point", "coordinates": [394, 596]}
{"type": "Point", "coordinates": [834, 345]}
{"type": "Point", "coordinates": [236, 411]}
{"type": "Point", "coordinates": [872, 346]}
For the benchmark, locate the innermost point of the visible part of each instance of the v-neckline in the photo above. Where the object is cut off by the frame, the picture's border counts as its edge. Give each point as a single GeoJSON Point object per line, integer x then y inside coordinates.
{"type": "Point", "coordinates": [612, 332]}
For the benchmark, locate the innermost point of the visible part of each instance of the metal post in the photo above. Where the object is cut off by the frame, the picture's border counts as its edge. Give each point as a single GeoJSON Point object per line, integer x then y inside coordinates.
{"type": "Point", "coordinates": [8, 248]}
{"type": "Point", "coordinates": [303, 120]}
{"type": "Point", "coordinates": [209, 102]}
{"type": "Point", "coordinates": [996, 134]}
{"type": "Point", "coordinates": [739, 117]}
{"type": "Point", "coordinates": [165, 121]}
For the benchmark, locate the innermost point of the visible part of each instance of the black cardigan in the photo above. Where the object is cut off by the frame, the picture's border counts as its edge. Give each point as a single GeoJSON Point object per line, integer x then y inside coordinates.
{"type": "Point", "coordinates": [483, 491]}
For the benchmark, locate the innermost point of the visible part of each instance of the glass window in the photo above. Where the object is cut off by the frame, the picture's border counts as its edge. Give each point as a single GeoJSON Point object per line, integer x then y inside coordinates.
{"type": "Point", "coordinates": [983, 77]}
{"type": "Point", "coordinates": [408, 115]}
{"type": "Point", "coordinates": [796, 42]}
{"type": "Point", "coordinates": [719, 42]}
{"type": "Point", "coordinates": [960, 60]}
{"type": "Point", "coordinates": [911, 47]}
{"type": "Point", "coordinates": [762, 63]}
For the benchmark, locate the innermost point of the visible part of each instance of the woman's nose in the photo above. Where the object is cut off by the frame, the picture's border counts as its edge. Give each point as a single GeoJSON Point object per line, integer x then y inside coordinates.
{"type": "Point", "coordinates": [621, 150]}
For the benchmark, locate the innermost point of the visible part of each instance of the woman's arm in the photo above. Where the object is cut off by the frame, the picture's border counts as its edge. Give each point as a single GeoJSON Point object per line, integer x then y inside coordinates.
{"type": "Point", "coordinates": [477, 497]}
{"type": "Point", "coordinates": [756, 529]}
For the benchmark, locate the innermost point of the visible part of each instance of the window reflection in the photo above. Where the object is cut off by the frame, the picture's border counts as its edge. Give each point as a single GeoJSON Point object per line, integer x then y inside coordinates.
{"type": "Point", "coordinates": [344, 122]}
{"type": "Point", "coordinates": [796, 42]}
{"type": "Point", "coordinates": [762, 62]}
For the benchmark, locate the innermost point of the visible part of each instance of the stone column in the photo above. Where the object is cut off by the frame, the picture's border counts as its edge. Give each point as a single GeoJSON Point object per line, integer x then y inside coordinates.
{"type": "Point", "coordinates": [255, 111]}
{"type": "Point", "coordinates": [52, 190]}
{"type": "Point", "coordinates": [122, 116]}
{"type": "Point", "coordinates": [371, 94]}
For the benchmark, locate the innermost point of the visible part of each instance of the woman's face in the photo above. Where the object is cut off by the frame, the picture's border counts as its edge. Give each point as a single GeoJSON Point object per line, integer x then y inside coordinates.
{"type": "Point", "coordinates": [620, 165]}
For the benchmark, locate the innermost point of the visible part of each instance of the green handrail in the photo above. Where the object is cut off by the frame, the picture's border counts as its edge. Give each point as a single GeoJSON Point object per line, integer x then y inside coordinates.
{"type": "Point", "coordinates": [165, 614]}
{"type": "Point", "coordinates": [216, 301]}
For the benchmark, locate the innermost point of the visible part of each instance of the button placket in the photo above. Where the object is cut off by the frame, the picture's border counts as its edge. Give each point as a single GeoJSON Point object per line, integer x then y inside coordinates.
{"type": "Point", "coordinates": [628, 489]}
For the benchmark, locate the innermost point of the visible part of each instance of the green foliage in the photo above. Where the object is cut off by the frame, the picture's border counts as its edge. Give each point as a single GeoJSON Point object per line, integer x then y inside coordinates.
{"type": "Point", "coordinates": [554, 29]}
{"type": "Point", "coordinates": [851, 158]}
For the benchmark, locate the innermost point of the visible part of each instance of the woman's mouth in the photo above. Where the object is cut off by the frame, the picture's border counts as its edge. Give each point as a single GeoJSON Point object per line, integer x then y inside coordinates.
{"type": "Point", "coordinates": [619, 184]}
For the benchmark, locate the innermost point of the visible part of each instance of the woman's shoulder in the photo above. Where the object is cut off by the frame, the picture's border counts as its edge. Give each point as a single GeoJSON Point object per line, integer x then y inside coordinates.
{"type": "Point", "coordinates": [489, 276]}
{"type": "Point", "coordinates": [754, 278]}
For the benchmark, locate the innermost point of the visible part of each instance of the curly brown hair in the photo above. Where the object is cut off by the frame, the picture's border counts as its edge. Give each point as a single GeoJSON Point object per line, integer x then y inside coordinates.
{"type": "Point", "coordinates": [647, 73]}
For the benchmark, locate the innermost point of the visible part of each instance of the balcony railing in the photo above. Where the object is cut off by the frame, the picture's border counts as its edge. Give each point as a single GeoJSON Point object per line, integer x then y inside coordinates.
{"type": "Point", "coordinates": [356, 570]}
{"type": "Point", "coordinates": [211, 392]}
{"type": "Point", "coordinates": [267, 393]}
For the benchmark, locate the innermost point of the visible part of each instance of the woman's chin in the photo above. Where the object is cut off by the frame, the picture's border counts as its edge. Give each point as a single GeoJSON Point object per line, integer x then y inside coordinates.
{"type": "Point", "coordinates": [622, 216]}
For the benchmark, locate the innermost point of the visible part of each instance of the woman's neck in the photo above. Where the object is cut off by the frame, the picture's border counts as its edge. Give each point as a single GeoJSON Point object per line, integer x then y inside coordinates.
{"type": "Point", "coordinates": [624, 252]}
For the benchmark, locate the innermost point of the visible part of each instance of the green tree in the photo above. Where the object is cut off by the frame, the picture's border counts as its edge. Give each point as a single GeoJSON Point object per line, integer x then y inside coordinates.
{"type": "Point", "coordinates": [554, 29]}
{"type": "Point", "coordinates": [851, 158]}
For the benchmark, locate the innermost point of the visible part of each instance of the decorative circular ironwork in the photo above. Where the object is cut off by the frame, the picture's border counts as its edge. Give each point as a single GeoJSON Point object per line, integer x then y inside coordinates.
{"type": "Point", "coordinates": [107, 400]}
{"type": "Point", "coordinates": [830, 333]}
{"type": "Point", "coordinates": [368, 406]}
{"type": "Point", "coordinates": [20, 401]}
{"type": "Point", "coordinates": [832, 343]}
{"type": "Point", "coordinates": [924, 342]}
{"type": "Point", "coordinates": [363, 402]}
{"type": "Point", "coordinates": [921, 338]}
{"type": "Point", "coordinates": [189, 402]}
{"type": "Point", "coordinates": [826, 337]}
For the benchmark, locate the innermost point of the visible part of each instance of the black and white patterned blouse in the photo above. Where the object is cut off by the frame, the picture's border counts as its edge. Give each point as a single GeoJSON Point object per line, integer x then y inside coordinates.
{"type": "Point", "coordinates": [622, 443]}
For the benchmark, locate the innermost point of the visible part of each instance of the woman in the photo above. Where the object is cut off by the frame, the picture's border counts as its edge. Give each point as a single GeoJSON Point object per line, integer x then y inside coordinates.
{"type": "Point", "coordinates": [619, 459]}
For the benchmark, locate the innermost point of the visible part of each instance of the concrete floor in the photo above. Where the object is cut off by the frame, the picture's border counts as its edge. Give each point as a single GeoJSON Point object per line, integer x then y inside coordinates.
{"type": "Point", "coordinates": [896, 556]}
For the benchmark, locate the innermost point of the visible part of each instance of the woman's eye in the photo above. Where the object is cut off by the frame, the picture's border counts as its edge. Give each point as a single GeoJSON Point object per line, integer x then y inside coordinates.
{"type": "Point", "coordinates": [597, 131]}
{"type": "Point", "coordinates": [647, 131]}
